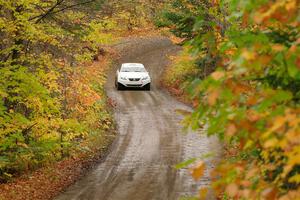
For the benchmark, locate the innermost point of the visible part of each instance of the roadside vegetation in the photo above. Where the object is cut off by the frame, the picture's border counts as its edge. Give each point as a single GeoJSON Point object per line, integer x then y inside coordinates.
{"type": "Point", "coordinates": [180, 74]}
{"type": "Point", "coordinates": [242, 71]}
{"type": "Point", "coordinates": [52, 102]}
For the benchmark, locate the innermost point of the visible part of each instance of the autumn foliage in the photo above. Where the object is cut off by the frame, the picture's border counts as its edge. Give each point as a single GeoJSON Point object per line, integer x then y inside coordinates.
{"type": "Point", "coordinates": [250, 99]}
{"type": "Point", "coordinates": [53, 60]}
{"type": "Point", "coordinates": [52, 102]}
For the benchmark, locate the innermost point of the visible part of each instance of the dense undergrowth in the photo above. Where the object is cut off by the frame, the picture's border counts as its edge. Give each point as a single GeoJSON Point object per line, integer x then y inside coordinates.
{"type": "Point", "coordinates": [247, 91]}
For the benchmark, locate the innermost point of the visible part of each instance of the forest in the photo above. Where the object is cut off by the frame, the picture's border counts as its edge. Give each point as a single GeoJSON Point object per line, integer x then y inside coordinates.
{"type": "Point", "coordinates": [239, 69]}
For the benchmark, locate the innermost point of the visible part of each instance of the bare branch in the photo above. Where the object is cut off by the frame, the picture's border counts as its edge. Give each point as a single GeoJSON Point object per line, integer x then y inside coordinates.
{"type": "Point", "coordinates": [53, 11]}
{"type": "Point", "coordinates": [72, 6]}
{"type": "Point", "coordinates": [42, 16]}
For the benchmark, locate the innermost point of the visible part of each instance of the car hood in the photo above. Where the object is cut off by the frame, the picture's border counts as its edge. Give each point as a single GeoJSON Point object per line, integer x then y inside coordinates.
{"type": "Point", "coordinates": [133, 74]}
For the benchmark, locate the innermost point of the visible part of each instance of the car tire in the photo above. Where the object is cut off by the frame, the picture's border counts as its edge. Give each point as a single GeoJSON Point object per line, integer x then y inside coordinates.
{"type": "Point", "coordinates": [148, 87]}
{"type": "Point", "coordinates": [119, 86]}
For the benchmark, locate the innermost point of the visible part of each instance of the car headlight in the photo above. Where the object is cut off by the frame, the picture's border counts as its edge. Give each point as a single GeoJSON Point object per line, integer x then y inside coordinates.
{"type": "Point", "coordinates": [145, 78]}
{"type": "Point", "coordinates": [123, 78]}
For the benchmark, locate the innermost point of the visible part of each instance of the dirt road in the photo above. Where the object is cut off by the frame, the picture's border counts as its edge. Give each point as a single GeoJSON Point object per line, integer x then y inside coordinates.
{"type": "Point", "coordinates": [141, 163]}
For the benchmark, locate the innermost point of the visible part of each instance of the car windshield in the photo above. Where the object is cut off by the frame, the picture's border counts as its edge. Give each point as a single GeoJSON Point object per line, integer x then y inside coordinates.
{"type": "Point", "coordinates": [133, 69]}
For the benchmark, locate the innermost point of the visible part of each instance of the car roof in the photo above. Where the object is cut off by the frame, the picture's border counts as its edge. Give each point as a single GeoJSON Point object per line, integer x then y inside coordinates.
{"type": "Point", "coordinates": [132, 65]}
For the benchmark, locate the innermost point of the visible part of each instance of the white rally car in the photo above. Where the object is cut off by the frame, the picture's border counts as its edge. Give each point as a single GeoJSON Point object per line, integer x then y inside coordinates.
{"type": "Point", "coordinates": [132, 75]}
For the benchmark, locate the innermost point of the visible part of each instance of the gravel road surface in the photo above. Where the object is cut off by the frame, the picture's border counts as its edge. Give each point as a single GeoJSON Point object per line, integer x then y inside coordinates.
{"type": "Point", "coordinates": [141, 163]}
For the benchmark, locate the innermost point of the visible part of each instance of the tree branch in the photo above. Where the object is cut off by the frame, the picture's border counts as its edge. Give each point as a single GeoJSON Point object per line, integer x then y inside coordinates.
{"type": "Point", "coordinates": [42, 16]}
{"type": "Point", "coordinates": [72, 6]}
{"type": "Point", "coordinates": [53, 11]}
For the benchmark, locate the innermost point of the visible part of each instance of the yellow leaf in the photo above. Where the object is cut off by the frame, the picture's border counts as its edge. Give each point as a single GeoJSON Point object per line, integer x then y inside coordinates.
{"type": "Point", "coordinates": [249, 144]}
{"type": "Point", "coordinates": [291, 5]}
{"type": "Point", "coordinates": [278, 123]}
{"type": "Point", "coordinates": [291, 135]}
{"type": "Point", "coordinates": [271, 143]}
{"type": "Point", "coordinates": [294, 156]}
{"type": "Point", "coordinates": [248, 55]}
{"type": "Point", "coordinates": [295, 178]}
{"type": "Point", "coordinates": [198, 171]}
{"type": "Point", "coordinates": [203, 193]}
{"type": "Point", "coordinates": [23, 145]}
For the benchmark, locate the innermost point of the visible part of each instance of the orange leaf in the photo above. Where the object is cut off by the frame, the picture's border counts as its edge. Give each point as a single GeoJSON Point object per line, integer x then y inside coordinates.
{"type": "Point", "coordinates": [269, 193]}
{"type": "Point", "coordinates": [298, 63]}
{"type": "Point", "coordinates": [252, 100]}
{"type": "Point", "coordinates": [232, 189]}
{"type": "Point", "coordinates": [278, 122]}
{"type": "Point", "coordinates": [198, 171]}
{"type": "Point", "coordinates": [212, 97]}
{"type": "Point", "coordinates": [265, 59]}
{"type": "Point", "coordinates": [231, 130]}
{"type": "Point", "coordinates": [253, 116]}
{"type": "Point", "coordinates": [277, 47]}
{"type": "Point", "coordinates": [217, 75]}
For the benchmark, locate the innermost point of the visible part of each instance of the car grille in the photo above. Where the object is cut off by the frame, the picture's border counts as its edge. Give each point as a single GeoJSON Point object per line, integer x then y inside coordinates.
{"type": "Point", "coordinates": [134, 85]}
{"type": "Point", "coordinates": [134, 79]}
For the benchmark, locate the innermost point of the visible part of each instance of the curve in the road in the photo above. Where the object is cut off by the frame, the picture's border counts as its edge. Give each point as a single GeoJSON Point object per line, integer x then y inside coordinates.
{"type": "Point", "coordinates": [150, 142]}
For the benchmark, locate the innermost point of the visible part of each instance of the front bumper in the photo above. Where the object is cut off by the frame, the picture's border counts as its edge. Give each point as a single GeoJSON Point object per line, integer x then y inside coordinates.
{"type": "Point", "coordinates": [140, 83]}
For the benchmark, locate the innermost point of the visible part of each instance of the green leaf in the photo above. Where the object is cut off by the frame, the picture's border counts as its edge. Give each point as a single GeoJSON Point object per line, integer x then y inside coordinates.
{"type": "Point", "coordinates": [185, 163]}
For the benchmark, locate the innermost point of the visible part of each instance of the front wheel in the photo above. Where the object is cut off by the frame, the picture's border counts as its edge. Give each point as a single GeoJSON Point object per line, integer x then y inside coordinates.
{"type": "Point", "coordinates": [119, 86]}
{"type": "Point", "coordinates": [148, 87]}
